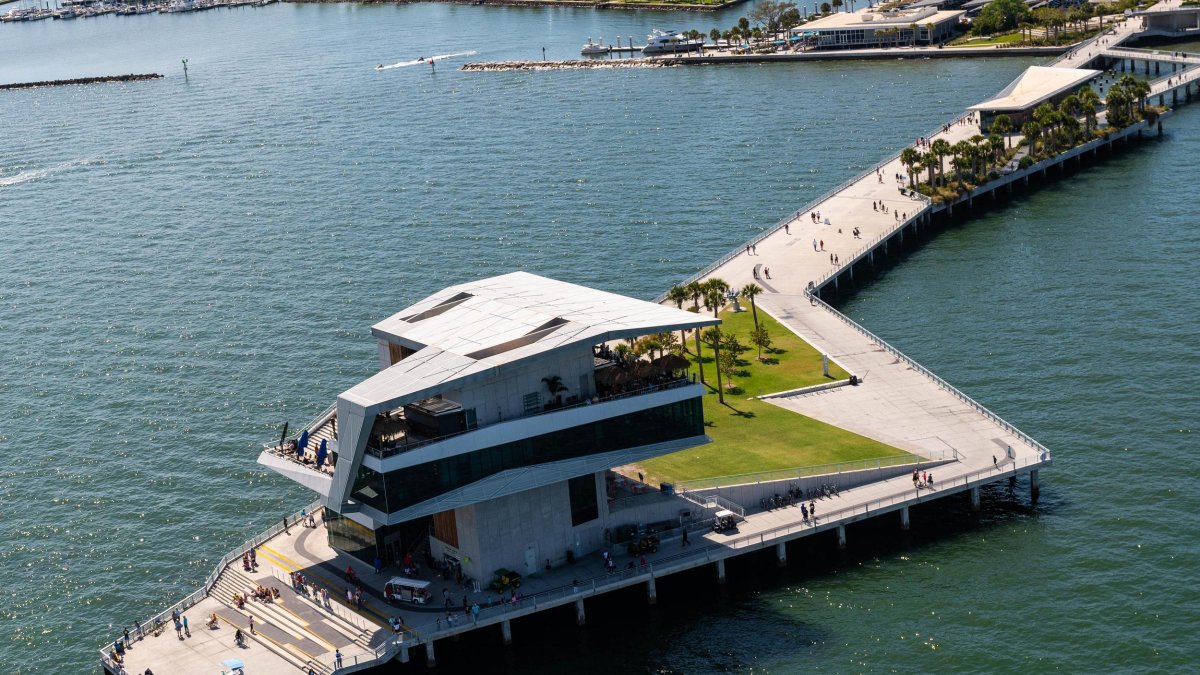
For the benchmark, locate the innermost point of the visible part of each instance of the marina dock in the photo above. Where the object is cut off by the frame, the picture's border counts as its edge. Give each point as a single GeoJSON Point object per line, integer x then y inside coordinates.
{"type": "Point", "coordinates": [896, 401]}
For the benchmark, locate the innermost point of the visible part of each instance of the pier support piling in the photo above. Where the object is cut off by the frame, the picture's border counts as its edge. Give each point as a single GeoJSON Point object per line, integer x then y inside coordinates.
{"type": "Point", "coordinates": [841, 537]}
{"type": "Point", "coordinates": [404, 657]}
{"type": "Point", "coordinates": [580, 615]}
{"type": "Point", "coordinates": [430, 659]}
{"type": "Point", "coordinates": [505, 631]}
{"type": "Point", "coordinates": [1033, 486]}
{"type": "Point", "coordinates": [651, 591]}
{"type": "Point", "coordinates": [975, 499]}
{"type": "Point", "coordinates": [781, 554]}
{"type": "Point", "coordinates": [904, 521]}
{"type": "Point", "coordinates": [721, 571]}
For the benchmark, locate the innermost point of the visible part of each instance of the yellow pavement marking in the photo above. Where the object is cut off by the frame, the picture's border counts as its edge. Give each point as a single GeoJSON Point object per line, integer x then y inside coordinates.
{"type": "Point", "coordinates": [294, 566]}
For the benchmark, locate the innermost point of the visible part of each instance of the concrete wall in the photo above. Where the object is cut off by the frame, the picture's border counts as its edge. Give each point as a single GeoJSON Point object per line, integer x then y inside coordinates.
{"type": "Point", "coordinates": [503, 399]}
{"type": "Point", "coordinates": [534, 525]}
{"type": "Point", "coordinates": [749, 494]}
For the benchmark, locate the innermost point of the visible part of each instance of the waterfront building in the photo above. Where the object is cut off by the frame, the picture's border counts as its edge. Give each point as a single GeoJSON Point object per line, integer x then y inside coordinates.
{"type": "Point", "coordinates": [872, 28]}
{"type": "Point", "coordinates": [1035, 86]}
{"type": "Point", "coordinates": [485, 439]}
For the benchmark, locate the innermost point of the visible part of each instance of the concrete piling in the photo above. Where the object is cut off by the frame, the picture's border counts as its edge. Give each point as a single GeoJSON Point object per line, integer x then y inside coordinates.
{"type": "Point", "coordinates": [781, 554]}
{"type": "Point", "coordinates": [1033, 485]}
{"type": "Point", "coordinates": [975, 499]}
{"type": "Point", "coordinates": [841, 537]}
{"type": "Point", "coordinates": [904, 521]}
{"type": "Point", "coordinates": [506, 631]}
{"type": "Point", "coordinates": [651, 591]}
{"type": "Point", "coordinates": [721, 571]}
{"type": "Point", "coordinates": [430, 659]}
{"type": "Point", "coordinates": [580, 615]}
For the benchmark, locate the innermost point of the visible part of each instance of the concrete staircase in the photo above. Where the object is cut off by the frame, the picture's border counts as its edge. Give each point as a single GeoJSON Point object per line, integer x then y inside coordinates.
{"type": "Point", "coordinates": [276, 629]}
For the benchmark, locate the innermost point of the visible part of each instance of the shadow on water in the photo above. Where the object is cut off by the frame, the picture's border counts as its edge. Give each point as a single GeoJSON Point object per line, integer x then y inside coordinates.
{"type": "Point", "coordinates": [757, 617]}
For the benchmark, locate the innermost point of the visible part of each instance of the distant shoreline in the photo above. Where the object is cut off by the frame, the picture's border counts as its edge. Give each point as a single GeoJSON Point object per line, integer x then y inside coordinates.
{"type": "Point", "coordinates": [593, 4]}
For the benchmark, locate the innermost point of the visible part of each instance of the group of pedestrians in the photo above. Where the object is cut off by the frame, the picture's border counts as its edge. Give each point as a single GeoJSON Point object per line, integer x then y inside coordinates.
{"type": "Point", "coordinates": [922, 479]}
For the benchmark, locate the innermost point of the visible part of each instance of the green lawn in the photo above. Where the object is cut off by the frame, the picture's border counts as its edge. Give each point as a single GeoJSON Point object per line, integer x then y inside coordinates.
{"type": "Point", "coordinates": [968, 41]}
{"type": "Point", "coordinates": [750, 435]}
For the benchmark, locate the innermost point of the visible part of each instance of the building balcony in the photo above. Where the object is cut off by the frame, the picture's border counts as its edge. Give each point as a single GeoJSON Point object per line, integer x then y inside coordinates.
{"type": "Point", "coordinates": [395, 433]}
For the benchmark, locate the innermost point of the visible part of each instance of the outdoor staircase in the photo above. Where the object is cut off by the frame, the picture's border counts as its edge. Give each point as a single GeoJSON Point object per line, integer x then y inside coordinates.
{"type": "Point", "coordinates": [277, 616]}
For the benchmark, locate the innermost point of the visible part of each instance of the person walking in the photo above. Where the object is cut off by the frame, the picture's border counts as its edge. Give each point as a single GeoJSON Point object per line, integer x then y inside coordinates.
{"type": "Point", "coordinates": [685, 538]}
{"type": "Point", "coordinates": [251, 618]}
{"type": "Point", "coordinates": [185, 627]}
{"type": "Point", "coordinates": [337, 658]}
{"type": "Point", "coordinates": [178, 629]}
{"type": "Point", "coordinates": [475, 613]}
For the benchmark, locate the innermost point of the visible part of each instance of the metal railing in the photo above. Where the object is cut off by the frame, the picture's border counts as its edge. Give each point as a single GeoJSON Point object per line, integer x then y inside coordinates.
{"type": "Point", "coordinates": [159, 620]}
{"type": "Point", "coordinates": [700, 552]}
{"type": "Point", "coordinates": [937, 380]}
{"type": "Point", "coordinates": [869, 246]}
{"type": "Point", "coordinates": [815, 470]}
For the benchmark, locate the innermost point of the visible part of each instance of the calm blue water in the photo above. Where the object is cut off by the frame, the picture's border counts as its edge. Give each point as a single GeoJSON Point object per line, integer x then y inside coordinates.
{"type": "Point", "coordinates": [188, 264]}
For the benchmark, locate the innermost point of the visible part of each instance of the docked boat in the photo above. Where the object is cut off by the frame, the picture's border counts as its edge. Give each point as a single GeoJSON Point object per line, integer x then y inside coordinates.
{"type": "Point", "coordinates": [671, 42]}
{"type": "Point", "coordinates": [595, 48]}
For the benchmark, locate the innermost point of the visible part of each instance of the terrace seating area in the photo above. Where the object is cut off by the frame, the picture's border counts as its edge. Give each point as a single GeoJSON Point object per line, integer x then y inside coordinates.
{"type": "Point", "coordinates": [311, 447]}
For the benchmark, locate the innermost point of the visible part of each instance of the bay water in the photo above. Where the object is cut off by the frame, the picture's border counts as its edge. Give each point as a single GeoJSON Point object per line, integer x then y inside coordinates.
{"type": "Point", "coordinates": [186, 264]}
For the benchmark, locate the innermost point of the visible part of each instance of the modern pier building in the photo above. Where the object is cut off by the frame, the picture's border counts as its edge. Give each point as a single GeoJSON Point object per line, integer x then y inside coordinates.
{"type": "Point", "coordinates": [485, 438]}
{"type": "Point", "coordinates": [872, 28]}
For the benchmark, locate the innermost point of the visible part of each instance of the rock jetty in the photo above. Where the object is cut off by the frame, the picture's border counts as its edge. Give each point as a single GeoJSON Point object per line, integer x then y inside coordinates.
{"type": "Point", "coordinates": [82, 80]}
{"type": "Point", "coordinates": [577, 64]}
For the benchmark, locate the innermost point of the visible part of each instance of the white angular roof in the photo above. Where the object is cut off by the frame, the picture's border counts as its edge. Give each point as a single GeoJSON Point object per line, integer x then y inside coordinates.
{"type": "Point", "coordinates": [1035, 85]}
{"type": "Point", "coordinates": [470, 329]}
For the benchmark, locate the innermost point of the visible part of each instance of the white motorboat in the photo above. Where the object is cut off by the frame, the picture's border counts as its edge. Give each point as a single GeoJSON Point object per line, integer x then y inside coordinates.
{"type": "Point", "coordinates": [670, 42]}
{"type": "Point", "coordinates": [595, 48]}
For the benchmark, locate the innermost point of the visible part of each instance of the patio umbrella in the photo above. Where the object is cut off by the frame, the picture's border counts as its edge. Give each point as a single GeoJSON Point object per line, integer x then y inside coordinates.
{"type": "Point", "coordinates": [672, 362]}
{"type": "Point", "coordinates": [303, 444]}
{"type": "Point", "coordinates": [321, 452]}
{"type": "Point", "coordinates": [643, 369]}
{"type": "Point", "coordinates": [233, 664]}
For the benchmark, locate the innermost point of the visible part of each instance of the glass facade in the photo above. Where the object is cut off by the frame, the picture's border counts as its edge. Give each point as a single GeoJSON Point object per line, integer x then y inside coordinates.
{"type": "Point", "coordinates": [582, 492]}
{"type": "Point", "coordinates": [347, 535]}
{"type": "Point", "coordinates": [405, 487]}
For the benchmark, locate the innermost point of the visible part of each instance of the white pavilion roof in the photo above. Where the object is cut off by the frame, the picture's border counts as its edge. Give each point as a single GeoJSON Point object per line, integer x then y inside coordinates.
{"type": "Point", "coordinates": [1035, 85]}
{"type": "Point", "coordinates": [470, 329]}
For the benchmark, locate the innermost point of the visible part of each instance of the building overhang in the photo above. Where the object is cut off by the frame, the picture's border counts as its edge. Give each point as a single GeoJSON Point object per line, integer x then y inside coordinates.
{"type": "Point", "coordinates": [314, 480]}
{"type": "Point", "coordinates": [527, 478]}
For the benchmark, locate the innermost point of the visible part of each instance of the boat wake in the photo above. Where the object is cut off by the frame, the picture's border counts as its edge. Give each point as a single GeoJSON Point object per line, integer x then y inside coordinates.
{"type": "Point", "coordinates": [424, 60]}
{"type": "Point", "coordinates": [35, 174]}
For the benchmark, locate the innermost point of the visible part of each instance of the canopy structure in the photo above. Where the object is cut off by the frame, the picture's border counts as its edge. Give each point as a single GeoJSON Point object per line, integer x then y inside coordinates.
{"type": "Point", "coordinates": [1037, 85]}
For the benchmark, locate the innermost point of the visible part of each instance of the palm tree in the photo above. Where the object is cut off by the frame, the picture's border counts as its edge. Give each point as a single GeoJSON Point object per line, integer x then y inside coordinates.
{"type": "Point", "coordinates": [748, 292]}
{"type": "Point", "coordinates": [1088, 101]}
{"type": "Point", "coordinates": [996, 143]}
{"type": "Point", "coordinates": [695, 291]}
{"type": "Point", "coordinates": [1030, 130]}
{"type": "Point", "coordinates": [555, 385]}
{"type": "Point", "coordinates": [714, 299]}
{"type": "Point", "coordinates": [941, 149]}
{"type": "Point", "coordinates": [910, 158]}
{"type": "Point", "coordinates": [961, 160]}
{"type": "Point", "coordinates": [929, 163]}
{"type": "Point", "coordinates": [679, 295]}
{"type": "Point", "coordinates": [1046, 116]}
{"type": "Point", "coordinates": [978, 154]}
{"type": "Point", "coordinates": [714, 35]}
{"type": "Point", "coordinates": [837, 4]}
{"type": "Point", "coordinates": [713, 337]}
{"type": "Point", "coordinates": [1002, 124]}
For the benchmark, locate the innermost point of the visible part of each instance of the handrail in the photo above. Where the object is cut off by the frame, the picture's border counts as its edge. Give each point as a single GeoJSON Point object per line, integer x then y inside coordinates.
{"type": "Point", "coordinates": [928, 373]}
{"type": "Point", "coordinates": [211, 580]}
{"type": "Point", "coordinates": [786, 220]}
{"type": "Point", "coordinates": [593, 585]}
